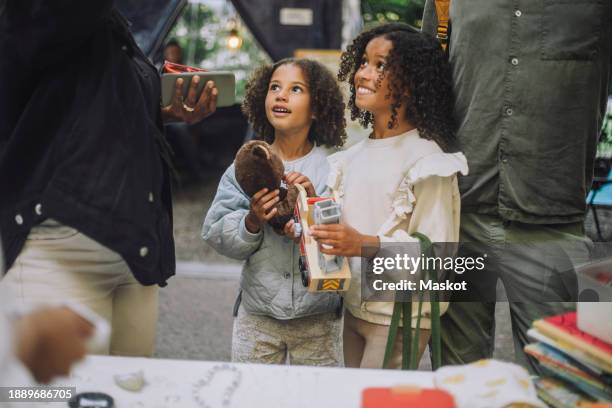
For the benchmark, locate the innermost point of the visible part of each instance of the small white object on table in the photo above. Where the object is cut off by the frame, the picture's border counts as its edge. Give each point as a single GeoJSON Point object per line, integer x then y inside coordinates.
{"type": "Point", "coordinates": [187, 383]}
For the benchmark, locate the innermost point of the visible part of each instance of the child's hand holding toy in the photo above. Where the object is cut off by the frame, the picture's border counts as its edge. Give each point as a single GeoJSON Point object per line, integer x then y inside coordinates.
{"type": "Point", "coordinates": [342, 239]}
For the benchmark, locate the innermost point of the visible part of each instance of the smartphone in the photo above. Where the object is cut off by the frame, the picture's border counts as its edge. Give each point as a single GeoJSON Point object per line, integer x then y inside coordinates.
{"type": "Point", "coordinates": [225, 82]}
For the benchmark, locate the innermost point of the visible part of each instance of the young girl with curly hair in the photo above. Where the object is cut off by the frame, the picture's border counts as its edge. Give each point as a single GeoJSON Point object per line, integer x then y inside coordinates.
{"type": "Point", "coordinates": [296, 106]}
{"type": "Point", "coordinates": [400, 180]}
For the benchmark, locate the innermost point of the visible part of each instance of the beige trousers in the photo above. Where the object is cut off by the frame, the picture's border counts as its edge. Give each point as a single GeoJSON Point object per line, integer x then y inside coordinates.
{"type": "Point", "coordinates": [58, 263]}
{"type": "Point", "coordinates": [311, 340]}
{"type": "Point", "coordinates": [365, 343]}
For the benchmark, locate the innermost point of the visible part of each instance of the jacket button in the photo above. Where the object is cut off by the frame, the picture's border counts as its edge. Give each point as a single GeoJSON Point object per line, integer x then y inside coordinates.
{"type": "Point", "coordinates": [144, 251]}
{"type": "Point", "coordinates": [151, 198]}
{"type": "Point", "coordinates": [124, 47]}
{"type": "Point", "coordinates": [19, 219]}
{"type": "Point", "coordinates": [518, 13]}
{"type": "Point", "coordinates": [38, 209]}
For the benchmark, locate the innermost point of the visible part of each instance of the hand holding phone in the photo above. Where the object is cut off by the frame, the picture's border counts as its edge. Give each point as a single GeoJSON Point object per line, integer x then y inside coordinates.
{"type": "Point", "coordinates": [191, 96]}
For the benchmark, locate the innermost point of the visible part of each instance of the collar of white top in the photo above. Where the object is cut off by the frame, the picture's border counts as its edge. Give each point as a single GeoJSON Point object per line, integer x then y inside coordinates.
{"type": "Point", "coordinates": [389, 141]}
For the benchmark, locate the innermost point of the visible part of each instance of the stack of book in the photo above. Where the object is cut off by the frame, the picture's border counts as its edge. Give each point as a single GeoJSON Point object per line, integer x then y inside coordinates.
{"type": "Point", "coordinates": [577, 367]}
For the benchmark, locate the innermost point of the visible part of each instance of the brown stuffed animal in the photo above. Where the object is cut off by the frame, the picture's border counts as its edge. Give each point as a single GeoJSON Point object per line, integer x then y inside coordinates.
{"type": "Point", "coordinates": [258, 167]}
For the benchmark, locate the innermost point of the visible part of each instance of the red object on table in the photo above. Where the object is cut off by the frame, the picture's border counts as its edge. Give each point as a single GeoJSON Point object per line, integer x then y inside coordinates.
{"type": "Point", "coordinates": [173, 68]}
{"type": "Point", "coordinates": [567, 328]}
{"type": "Point", "coordinates": [402, 397]}
{"type": "Point", "coordinates": [605, 278]}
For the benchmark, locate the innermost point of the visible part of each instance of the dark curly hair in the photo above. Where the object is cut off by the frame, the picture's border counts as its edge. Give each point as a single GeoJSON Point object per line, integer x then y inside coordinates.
{"type": "Point", "coordinates": [419, 81]}
{"type": "Point", "coordinates": [328, 127]}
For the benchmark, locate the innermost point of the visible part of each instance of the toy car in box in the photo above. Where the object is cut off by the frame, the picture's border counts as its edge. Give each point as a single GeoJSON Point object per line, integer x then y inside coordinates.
{"type": "Point", "coordinates": [320, 272]}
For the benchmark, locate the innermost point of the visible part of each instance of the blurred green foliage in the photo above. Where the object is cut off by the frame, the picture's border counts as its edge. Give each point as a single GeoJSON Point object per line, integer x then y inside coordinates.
{"type": "Point", "coordinates": [202, 32]}
{"type": "Point", "coordinates": [386, 11]}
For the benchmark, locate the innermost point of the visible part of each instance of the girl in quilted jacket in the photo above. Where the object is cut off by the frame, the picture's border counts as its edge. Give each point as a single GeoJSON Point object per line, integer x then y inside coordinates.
{"type": "Point", "coordinates": [400, 180]}
{"type": "Point", "coordinates": [296, 106]}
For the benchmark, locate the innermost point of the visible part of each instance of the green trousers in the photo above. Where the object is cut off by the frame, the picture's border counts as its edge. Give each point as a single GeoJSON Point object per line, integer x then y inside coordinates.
{"type": "Point", "coordinates": [535, 263]}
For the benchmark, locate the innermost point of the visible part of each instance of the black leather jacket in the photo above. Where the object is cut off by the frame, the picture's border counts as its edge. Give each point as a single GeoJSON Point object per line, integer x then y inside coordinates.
{"type": "Point", "coordinates": [81, 136]}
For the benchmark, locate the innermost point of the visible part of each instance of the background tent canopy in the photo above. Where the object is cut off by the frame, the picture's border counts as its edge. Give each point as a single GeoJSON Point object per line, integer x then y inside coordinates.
{"type": "Point", "coordinates": [281, 26]}
{"type": "Point", "coordinates": [151, 21]}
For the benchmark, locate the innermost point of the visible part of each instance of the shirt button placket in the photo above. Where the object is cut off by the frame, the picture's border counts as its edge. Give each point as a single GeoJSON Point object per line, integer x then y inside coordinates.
{"type": "Point", "coordinates": [504, 158]}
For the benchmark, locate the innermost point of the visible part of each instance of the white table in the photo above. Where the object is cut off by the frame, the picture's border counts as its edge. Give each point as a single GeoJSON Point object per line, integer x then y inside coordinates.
{"type": "Point", "coordinates": [170, 383]}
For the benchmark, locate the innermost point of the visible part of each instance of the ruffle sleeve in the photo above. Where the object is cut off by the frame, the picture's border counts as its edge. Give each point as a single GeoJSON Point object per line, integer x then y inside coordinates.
{"type": "Point", "coordinates": [336, 170]}
{"type": "Point", "coordinates": [403, 199]}
{"type": "Point", "coordinates": [437, 164]}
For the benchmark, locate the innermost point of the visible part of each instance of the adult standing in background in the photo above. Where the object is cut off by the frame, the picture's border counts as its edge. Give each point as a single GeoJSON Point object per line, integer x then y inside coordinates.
{"type": "Point", "coordinates": [173, 52]}
{"type": "Point", "coordinates": [86, 211]}
{"type": "Point", "coordinates": [531, 80]}
{"type": "Point", "coordinates": [183, 141]}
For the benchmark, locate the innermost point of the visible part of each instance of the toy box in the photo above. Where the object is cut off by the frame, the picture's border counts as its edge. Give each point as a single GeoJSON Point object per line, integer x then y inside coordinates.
{"type": "Point", "coordinates": [594, 306]}
{"type": "Point", "coordinates": [320, 272]}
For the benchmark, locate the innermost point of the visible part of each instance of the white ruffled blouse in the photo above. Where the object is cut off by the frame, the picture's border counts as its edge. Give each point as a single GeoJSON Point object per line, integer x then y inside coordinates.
{"type": "Point", "coordinates": [392, 188]}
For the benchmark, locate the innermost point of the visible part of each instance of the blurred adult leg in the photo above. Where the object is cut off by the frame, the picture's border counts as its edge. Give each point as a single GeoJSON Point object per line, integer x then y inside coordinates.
{"type": "Point", "coordinates": [58, 264]}
{"type": "Point", "coordinates": [538, 272]}
{"type": "Point", "coordinates": [135, 316]}
{"type": "Point", "coordinates": [468, 326]}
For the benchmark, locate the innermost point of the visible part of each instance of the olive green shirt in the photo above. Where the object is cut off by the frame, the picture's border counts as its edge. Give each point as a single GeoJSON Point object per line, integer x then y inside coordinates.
{"type": "Point", "coordinates": [531, 80]}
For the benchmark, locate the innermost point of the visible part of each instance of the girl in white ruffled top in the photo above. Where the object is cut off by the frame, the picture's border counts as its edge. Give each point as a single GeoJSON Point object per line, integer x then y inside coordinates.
{"type": "Point", "coordinates": [401, 180]}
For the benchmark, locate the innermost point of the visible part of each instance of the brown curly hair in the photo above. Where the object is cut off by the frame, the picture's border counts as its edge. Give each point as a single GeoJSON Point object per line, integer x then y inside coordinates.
{"type": "Point", "coordinates": [420, 81]}
{"type": "Point", "coordinates": [328, 127]}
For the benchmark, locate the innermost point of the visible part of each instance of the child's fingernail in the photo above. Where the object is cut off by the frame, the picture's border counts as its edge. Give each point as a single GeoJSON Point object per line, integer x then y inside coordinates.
{"type": "Point", "coordinates": [196, 79]}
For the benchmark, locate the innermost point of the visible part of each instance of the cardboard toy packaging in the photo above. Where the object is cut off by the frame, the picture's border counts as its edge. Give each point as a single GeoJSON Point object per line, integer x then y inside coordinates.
{"type": "Point", "coordinates": [594, 306]}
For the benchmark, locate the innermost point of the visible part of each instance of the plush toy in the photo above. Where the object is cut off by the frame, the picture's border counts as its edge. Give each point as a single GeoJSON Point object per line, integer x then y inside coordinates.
{"type": "Point", "coordinates": [258, 167]}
